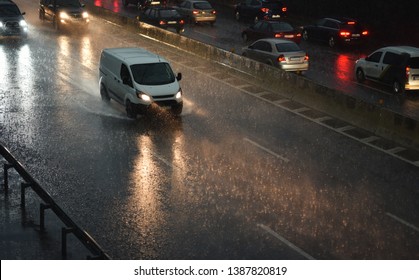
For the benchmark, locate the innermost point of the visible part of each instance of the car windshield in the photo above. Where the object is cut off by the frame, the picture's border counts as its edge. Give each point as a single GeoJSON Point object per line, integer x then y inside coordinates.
{"type": "Point", "coordinates": [152, 74]}
{"type": "Point", "coordinates": [168, 13]}
{"type": "Point", "coordinates": [68, 3]}
{"type": "Point", "coordinates": [202, 6]}
{"type": "Point", "coordinates": [281, 27]}
{"type": "Point", "coordinates": [414, 62]}
{"type": "Point", "coordinates": [287, 47]}
{"type": "Point", "coordinates": [9, 10]}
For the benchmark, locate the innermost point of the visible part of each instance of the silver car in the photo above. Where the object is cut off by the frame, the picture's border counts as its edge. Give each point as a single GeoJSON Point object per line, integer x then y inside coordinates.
{"type": "Point", "coordinates": [284, 54]}
{"type": "Point", "coordinates": [197, 11]}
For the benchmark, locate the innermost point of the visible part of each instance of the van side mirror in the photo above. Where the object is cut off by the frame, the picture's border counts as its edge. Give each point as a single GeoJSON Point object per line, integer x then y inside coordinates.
{"type": "Point", "coordinates": [179, 76]}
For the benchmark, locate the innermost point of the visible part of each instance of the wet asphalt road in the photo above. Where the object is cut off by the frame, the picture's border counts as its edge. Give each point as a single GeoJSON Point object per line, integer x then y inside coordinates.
{"type": "Point", "coordinates": [234, 177]}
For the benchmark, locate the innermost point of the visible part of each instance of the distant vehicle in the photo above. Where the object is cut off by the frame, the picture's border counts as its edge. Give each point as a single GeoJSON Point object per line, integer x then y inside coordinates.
{"type": "Point", "coordinates": [143, 4]}
{"type": "Point", "coordinates": [397, 66]}
{"type": "Point", "coordinates": [195, 11]}
{"type": "Point", "coordinates": [64, 13]}
{"type": "Point", "coordinates": [137, 78]}
{"type": "Point", "coordinates": [271, 29]}
{"type": "Point", "coordinates": [284, 54]}
{"type": "Point", "coordinates": [164, 17]}
{"type": "Point", "coordinates": [336, 31]}
{"type": "Point", "coordinates": [257, 10]}
{"type": "Point", "coordinates": [12, 22]}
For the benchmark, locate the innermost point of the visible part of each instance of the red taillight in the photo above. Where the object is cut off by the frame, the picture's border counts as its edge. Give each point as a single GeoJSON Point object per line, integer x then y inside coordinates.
{"type": "Point", "coordinates": [214, 12]}
{"type": "Point", "coordinates": [351, 22]}
{"type": "Point", "coordinates": [365, 33]}
{"type": "Point", "coordinates": [278, 35]}
{"type": "Point", "coordinates": [407, 73]}
{"type": "Point", "coordinates": [162, 22]}
{"type": "Point", "coordinates": [264, 10]}
{"type": "Point", "coordinates": [345, 33]}
{"type": "Point", "coordinates": [298, 34]}
{"type": "Point", "coordinates": [195, 12]}
{"type": "Point", "coordinates": [281, 58]}
{"type": "Point", "coordinates": [306, 57]}
{"type": "Point", "coordinates": [284, 9]}
{"type": "Point", "coordinates": [181, 21]}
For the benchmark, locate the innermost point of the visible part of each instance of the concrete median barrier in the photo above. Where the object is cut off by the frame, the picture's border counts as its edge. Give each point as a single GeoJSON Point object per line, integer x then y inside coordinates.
{"type": "Point", "coordinates": [372, 117]}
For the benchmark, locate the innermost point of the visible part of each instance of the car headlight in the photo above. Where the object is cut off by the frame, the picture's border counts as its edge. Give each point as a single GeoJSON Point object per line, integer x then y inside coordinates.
{"type": "Point", "coordinates": [23, 23]}
{"type": "Point", "coordinates": [64, 15]}
{"type": "Point", "coordinates": [141, 95]}
{"type": "Point", "coordinates": [85, 15]}
{"type": "Point", "coordinates": [1, 24]}
{"type": "Point", "coordinates": [179, 94]}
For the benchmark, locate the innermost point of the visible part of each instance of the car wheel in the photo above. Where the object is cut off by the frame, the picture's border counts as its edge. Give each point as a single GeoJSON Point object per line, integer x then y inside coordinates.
{"type": "Point", "coordinates": [360, 75]}
{"type": "Point", "coordinates": [129, 108]}
{"type": "Point", "coordinates": [104, 93]}
{"type": "Point", "coordinates": [256, 19]}
{"type": "Point", "coordinates": [238, 16]}
{"type": "Point", "coordinates": [245, 37]}
{"type": "Point", "coordinates": [305, 35]}
{"type": "Point", "coordinates": [332, 42]}
{"type": "Point", "coordinates": [398, 88]}
{"type": "Point", "coordinates": [177, 109]}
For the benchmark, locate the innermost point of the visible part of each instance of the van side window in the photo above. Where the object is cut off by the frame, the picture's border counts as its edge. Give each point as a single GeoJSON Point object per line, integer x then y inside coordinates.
{"type": "Point", "coordinates": [125, 76]}
{"type": "Point", "coordinates": [392, 58]}
{"type": "Point", "coordinates": [375, 57]}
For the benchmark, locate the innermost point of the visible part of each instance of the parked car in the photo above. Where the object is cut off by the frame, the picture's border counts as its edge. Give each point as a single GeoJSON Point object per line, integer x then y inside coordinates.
{"type": "Point", "coordinates": [64, 13]}
{"type": "Point", "coordinates": [143, 4]}
{"type": "Point", "coordinates": [397, 66]}
{"type": "Point", "coordinates": [281, 53]}
{"type": "Point", "coordinates": [12, 22]}
{"type": "Point", "coordinates": [336, 31]}
{"type": "Point", "coordinates": [164, 17]}
{"type": "Point", "coordinates": [271, 29]}
{"type": "Point", "coordinates": [256, 10]}
{"type": "Point", "coordinates": [195, 11]}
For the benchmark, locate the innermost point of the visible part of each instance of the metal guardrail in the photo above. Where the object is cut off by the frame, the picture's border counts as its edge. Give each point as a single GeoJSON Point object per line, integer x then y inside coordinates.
{"type": "Point", "coordinates": [49, 203]}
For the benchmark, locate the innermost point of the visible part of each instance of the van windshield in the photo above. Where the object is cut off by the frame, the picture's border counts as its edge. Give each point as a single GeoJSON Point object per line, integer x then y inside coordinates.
{"type": "Point", "coordinates": [153, 74]}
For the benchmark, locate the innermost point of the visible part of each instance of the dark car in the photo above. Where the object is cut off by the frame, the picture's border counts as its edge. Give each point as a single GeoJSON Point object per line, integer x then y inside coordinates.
{"type": "Point", "coordinates": [336, 31]}
{"type": "Point", "coordinates": [256, 10]}
{"type": "Point", "coordinates": [164, 17]}
{"type": "Point", "coordinates": [271, 29]}
{"type": "Point", "coordinates": [143, 4]}
{"type": "Point", "coordinates": [12, 22]}
{"type": "Point", "coordinates": [64, 13]}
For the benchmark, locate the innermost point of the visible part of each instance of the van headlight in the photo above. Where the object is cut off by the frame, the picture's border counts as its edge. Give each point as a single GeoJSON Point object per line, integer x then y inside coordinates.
{"type": "Point", "coordinates": [145, 97]}
{"type": "Point", "coordinates": [179, 94]}
{"type": "Point", "coordinates": [1, 24]}
{"type": "Point", "coordinates": [64, 15]}
{"type": "Point", "coordinates": [23, 23]}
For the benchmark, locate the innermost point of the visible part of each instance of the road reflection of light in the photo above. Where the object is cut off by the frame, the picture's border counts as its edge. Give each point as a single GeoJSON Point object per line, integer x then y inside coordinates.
{"type": "Point", "coordinates": [146, 203]}
{"type": "Point", "coordinates": [25, 76]}
{"type": "Point", "coordinates": [344, 67]}
{"type": "Point", "coordinates": [4, 68]}
{"type": "Point", "coordinates": [86, 53]}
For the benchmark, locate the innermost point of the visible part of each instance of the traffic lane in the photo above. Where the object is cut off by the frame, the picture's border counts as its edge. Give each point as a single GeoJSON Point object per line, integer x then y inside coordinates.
{"type": "Point", "coordinates": [95, 159]}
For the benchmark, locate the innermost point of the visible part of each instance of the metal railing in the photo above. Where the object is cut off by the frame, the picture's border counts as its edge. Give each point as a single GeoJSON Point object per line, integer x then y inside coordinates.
{"type": "Point", "coordinates": [49, 203]}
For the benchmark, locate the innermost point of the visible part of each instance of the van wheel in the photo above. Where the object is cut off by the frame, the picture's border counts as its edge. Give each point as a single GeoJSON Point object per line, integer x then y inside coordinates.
{"type": "Point", "coordinates": [398, 88]}
{"type": "Point", "coordinates": [177, 109]}
{"type": "Point", "coordinates": [104, 93]}
{"type": "Point", "coordinates": [129, 108]}
{"type": "Point", "coordinates": [360, 76]}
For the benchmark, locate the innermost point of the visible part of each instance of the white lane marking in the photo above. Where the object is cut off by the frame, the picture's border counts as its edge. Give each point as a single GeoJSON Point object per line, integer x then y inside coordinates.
{"type": "Point", "coordinates": [286, 242]}
{"type": "Point", "coordinates": [266, 150]}
{"type": "Point", "coordinates": [403, 221]}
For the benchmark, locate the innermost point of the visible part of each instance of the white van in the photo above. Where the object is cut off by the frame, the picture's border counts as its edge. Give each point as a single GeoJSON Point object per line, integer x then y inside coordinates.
{"type": "Point", "coordinates": [136, 78]}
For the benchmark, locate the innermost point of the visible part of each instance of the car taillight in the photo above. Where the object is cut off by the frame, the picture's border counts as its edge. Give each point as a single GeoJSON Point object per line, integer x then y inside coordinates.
{"type": "Point", "coordinates": [407, 73]}
{"type": "Point", "coordinates": [195, 12]}
{"type": "Point", "coordinates": [264, 10]}
{"type": "Point", "coordinates": [298, 35]}
{"type": "Point", "coordinates": [345, 33]}
{"type": "Point", "coordinates": [214, 12]}
{"type": "Point", "coordinates": [284, 9]}
{"type": "Point", "coordinates": [278, 35]}
{"type": "Point", "coordinates": [365, 33]}
{"type": "Point", "coordinates": [162, 22]}
{"type": "Point", "coordinates": [351, 22]}
{"type": "Point", "coordinates": [181, 21]}
{"type": "Point", "coordinates": [281, 58]}
{"type": "Point", "coordinates": [306, 57]}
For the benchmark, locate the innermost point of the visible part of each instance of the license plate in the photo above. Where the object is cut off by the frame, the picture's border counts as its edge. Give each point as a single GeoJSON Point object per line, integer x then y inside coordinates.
{"type": "Point", "coordinates": [356, 35]}
{"type": "Point", "coordinates": [289, 36]}
{"type": "Point", "coordinates": [172, 22]}
{"type": "Point", "coordinates": [276, 16]}
{"type": "Point", "coordinates": [295, 59]}
{"type": "Point", "coordinates": [415, 78]}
